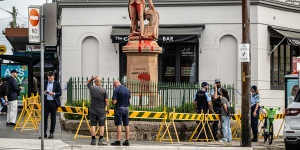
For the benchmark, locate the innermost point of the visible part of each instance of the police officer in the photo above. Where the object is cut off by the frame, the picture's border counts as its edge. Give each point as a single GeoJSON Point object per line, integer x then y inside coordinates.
{"type": "Point", "coordinates": [254, 111]}
{"type": "Point", "coordinates": [202, 100]}
{"type": "Point", "coordinates": [216, 101]}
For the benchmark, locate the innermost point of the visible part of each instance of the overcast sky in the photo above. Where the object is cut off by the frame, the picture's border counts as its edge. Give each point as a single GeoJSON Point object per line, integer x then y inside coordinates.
{"type": "Point", "coordinates": [22, 9]}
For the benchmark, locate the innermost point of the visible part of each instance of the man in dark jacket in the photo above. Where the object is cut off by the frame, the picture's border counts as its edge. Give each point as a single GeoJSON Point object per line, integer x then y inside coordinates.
{"type": "Point", "coordinates": [52, 101]}
{"type": "Point", "coordinates": [12, 96]}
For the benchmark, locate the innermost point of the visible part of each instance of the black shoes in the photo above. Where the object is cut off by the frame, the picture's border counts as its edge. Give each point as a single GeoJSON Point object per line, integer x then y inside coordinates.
{"type": "Point", "coordinates": [93, 142]}
{"type": "Point", "coordinates": [45, 136]}
{"type": "Point", "coordinates": [51, 136]}
{"type": "Point", "coordinates": [9, 124]}
{"type": "Point", "coordinates": [101, 142]}
{"type": "Point", "coordinates": [254, 140]}
{"type": "Point", "coordinates": [116, 143]}
{"type": "Point", "coordinates": [126, 143]}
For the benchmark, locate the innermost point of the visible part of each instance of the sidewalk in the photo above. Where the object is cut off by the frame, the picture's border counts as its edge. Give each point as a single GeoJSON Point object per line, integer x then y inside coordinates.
{"type": "Point", "coordinates": [33, 144]}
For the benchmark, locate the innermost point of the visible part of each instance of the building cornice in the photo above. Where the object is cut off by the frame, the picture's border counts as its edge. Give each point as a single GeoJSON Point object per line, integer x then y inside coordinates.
{"type": "Point", "coordinates": [178, 3]}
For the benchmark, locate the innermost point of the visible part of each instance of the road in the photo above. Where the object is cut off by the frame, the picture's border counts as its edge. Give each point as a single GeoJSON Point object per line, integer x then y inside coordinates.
{"type": "Point", "coordinates": [28, 140]}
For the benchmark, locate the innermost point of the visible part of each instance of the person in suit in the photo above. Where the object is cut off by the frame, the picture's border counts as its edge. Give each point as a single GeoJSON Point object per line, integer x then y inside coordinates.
{"type": "Point", "coordinates": [52, 101]}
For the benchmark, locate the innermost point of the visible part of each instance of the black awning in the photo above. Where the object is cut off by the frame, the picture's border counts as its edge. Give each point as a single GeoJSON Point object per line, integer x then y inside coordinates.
{"type": "Point", "coordinates": [292, 35]}
{"type": "Point", "coordinates": [167, 34]}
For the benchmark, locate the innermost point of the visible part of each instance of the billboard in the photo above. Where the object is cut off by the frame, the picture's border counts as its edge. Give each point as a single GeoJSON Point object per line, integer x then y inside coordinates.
{"type": "Point", "coordinates": [22, 79]}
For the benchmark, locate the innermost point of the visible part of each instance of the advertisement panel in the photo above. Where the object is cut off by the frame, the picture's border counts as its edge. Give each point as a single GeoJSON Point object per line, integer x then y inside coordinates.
{"type": "Point", "coordinates": [291, 86]}
{"type": "Point", "coordinates": [22, 79]}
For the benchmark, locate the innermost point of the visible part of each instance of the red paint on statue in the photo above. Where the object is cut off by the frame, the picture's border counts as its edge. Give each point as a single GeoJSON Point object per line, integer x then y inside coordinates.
{"type": "Point", "coordinates": [148, 43]}
{"type": "Point", "coordinates": [140, 45]}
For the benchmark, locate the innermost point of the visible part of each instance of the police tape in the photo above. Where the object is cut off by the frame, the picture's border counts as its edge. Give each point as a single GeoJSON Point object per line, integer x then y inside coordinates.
{"type": "Point", "coordinates": [156, 115]}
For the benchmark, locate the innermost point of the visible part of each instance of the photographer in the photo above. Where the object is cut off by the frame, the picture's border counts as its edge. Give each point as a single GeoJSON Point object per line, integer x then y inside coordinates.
{"type": "Point", "coordinates": [216, 101]}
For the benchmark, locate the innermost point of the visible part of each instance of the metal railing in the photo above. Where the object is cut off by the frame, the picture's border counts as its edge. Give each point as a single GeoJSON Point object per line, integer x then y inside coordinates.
{"type": "Point", "coordinates": [145, 96]}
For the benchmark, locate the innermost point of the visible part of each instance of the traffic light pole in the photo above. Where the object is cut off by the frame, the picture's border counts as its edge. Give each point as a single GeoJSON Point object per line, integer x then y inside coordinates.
{"type": "Point", "coordinates": [246, 78]}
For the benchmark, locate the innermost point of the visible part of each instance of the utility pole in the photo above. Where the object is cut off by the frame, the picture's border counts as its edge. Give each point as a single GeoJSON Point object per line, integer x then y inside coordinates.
{"type": "Point", "coordinates": [246, 76]}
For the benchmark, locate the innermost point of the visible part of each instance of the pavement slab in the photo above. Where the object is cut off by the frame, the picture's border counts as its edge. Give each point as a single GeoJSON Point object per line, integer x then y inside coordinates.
{"type": "Point", "coordinates": [34, 144]}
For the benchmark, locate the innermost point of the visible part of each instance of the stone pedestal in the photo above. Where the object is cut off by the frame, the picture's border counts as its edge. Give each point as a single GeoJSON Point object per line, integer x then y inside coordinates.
{"type": "Point", "coordinates": [142, 66]}
{"type": "Point", "coordinates": [142, 60]}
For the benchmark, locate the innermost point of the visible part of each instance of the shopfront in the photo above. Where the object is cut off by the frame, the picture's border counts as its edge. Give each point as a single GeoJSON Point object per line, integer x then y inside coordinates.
{"type": "Point", "coordinates": [178, 61]}
{"type": "Point", "coordinates": [285, 48]}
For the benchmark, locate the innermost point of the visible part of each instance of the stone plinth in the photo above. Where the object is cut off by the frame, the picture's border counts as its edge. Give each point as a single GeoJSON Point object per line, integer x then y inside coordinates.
{"type": "Point", "coordinates": [142, 60]}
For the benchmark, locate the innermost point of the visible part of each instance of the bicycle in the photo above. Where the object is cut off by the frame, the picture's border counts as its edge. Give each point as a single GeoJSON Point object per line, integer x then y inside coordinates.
{"type": "Point", "coordinates": [268, 130]}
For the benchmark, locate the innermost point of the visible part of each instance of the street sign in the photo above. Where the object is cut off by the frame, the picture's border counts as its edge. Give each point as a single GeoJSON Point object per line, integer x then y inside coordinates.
{"type": "Point", "coordinates": [244, 52]}
{"type": "Point", "coordinates": [2, 49]}
{"type": "Point", "coordinates": [34, 24]}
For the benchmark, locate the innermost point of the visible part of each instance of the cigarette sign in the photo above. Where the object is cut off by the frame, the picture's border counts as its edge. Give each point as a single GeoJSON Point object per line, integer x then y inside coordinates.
{"type": "Point", "coordinates": [34, 24]}
{"type": "Point", "coordinates": [244, 52]}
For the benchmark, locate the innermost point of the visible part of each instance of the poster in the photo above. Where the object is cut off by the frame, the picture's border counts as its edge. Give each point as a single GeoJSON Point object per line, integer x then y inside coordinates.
{"type": "Point", "coordinates": [22, 79]}
{"type": "Point", "coordinates": [290, 83]}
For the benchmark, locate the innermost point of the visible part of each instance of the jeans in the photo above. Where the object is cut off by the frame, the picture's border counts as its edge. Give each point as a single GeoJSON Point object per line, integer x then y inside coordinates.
{"type": "Point", "coordinates": [227, 137]}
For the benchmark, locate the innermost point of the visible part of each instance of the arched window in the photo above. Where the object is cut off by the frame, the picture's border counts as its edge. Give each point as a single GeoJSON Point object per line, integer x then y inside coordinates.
{"type": "Point", "coordinates": [89, 56]}
{"type": "Point", "coordinates": [228, 59]}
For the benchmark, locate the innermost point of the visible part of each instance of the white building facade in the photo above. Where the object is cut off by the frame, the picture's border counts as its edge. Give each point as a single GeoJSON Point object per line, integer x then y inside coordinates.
{"type": "Point", "coordinates": [206, 35]}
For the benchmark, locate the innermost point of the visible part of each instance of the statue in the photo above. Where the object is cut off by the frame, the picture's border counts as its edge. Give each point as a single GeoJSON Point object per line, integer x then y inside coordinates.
{"type": "Point", "coordinates": [138, 14]}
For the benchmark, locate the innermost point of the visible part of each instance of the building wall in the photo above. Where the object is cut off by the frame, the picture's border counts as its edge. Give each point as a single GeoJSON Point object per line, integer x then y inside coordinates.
{"type": "Point", "coordinates": [103, 61]}
{"type": "Point", "coordinates": [220, 21]}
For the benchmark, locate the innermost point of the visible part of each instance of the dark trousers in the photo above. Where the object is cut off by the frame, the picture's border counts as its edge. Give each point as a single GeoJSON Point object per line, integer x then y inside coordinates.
{"type": "Point", "coordinates": [254, 122]}
{"type": "Point", "coordinates": [215, 125]}
{"type": "Point", "coordinates": [50, 108]}
{"type": "Point", "coordinates": [215, 129]}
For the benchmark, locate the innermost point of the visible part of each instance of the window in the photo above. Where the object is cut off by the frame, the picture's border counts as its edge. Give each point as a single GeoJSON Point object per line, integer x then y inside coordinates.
{"type": "Point", "coordinates": [177, 63]}
{"type": "Point", "coordinates": [282, 62]}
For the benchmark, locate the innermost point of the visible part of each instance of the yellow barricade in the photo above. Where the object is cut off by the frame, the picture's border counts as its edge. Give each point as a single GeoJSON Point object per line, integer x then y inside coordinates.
{"type": "Point", "coordinates": [236, 129]}
{"type": "Point", "coordinates": [203, 122]}
{"type": "Point", "coordinates": [29, 118]}
{"type": "Point", "coordinates": [167, 122]}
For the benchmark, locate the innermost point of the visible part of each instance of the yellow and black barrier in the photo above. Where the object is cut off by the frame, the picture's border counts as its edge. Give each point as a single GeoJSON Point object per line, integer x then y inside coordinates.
{"type": "Point", "coordinates": [30, 115]}
{"type": "Point", "coordinates": [203, 122]}
{"type": "Point", "coordinates": [167, 122]}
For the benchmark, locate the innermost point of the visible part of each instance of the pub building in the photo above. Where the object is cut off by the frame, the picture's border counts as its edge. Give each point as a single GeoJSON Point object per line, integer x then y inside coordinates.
{"type": "Point", "coordinates": [199, 38]}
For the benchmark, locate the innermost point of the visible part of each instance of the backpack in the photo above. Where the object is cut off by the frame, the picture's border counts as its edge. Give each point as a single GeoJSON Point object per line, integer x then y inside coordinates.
{"type": "Point", "coordinates": [230, 109]}
{"type": "Point", "coordinates": [201, 100]}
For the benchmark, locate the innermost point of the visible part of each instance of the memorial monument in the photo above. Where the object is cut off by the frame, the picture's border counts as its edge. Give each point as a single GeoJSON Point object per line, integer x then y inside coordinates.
{"type": "Point", "coordinates": [142, 49]}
